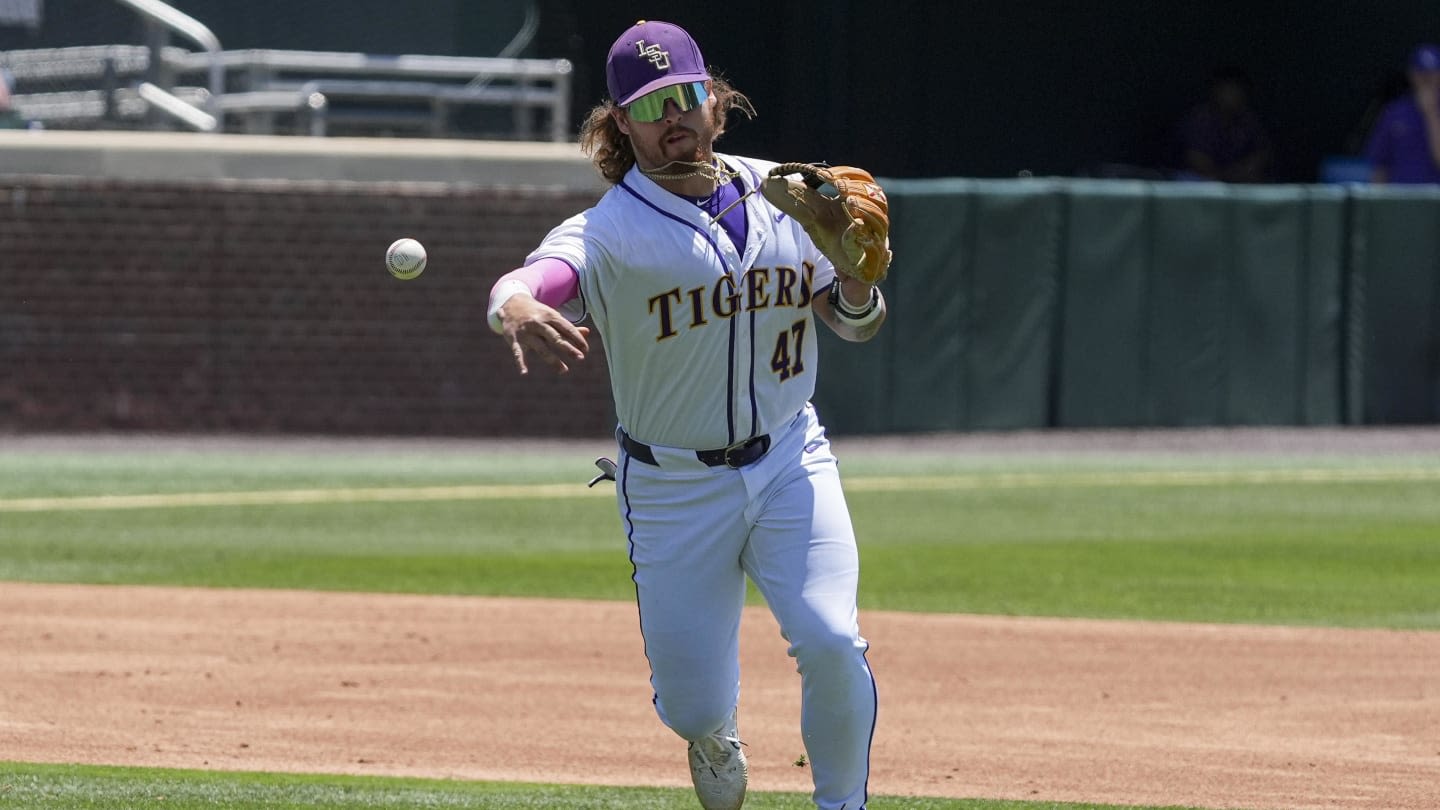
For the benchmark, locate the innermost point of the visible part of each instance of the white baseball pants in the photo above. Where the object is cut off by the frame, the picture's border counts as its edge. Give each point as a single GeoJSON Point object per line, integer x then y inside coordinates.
{"type": "Point", "coordinates": [695, 532]}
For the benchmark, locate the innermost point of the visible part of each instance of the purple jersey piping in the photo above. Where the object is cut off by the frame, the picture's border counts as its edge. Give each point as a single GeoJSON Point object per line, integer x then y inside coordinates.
{"type": "Point", "coordinates": [730, 381]}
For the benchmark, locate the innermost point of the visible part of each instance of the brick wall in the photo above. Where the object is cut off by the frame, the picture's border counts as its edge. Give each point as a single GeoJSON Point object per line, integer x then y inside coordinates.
{"type": "Point", "coordinates": [264, 306]}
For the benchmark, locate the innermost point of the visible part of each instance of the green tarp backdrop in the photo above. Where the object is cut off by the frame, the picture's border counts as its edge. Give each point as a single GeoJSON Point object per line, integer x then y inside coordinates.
{"type": "Point", "coordinates": [1097, 303]}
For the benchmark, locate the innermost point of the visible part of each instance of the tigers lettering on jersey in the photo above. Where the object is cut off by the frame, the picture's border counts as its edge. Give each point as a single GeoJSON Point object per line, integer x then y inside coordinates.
{"type": "Point", "coordinates": [763, 288]}
{"type": "Point", "coordinates": [701, 336]}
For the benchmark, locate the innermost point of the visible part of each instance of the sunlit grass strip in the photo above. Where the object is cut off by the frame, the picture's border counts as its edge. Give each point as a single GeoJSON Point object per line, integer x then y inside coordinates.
{"type": "Point", "coordinates": [937, 483]}
{"type": "Point", "coordinates": [1155, 478]}
{"type": "Point", "coordinates": [25, 786]}
{"type": "Point", "coordinates": [280, 497]}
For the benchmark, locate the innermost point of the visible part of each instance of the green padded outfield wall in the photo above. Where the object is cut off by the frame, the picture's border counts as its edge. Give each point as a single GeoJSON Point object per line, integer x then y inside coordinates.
{"type": "Point", "coordinates": [1394, 294]}
{"type": "Point", "coordinates": [1200, 305]}
{"type": "Point", "coordinates": [1084, 303]}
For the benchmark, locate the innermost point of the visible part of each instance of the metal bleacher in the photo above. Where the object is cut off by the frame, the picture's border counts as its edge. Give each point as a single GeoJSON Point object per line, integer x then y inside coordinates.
{"type": "Point", "coordinates": [416, 94]}
{"type": "Point", "coordinates": [88, 87]}
{"type": "Point", "coordinates": [258, 91]}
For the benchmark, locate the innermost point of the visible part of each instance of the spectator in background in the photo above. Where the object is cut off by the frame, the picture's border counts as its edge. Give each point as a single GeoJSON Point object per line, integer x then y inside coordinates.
{"type": "Point", "coordinates": [1392, 85]}
{"type": "Point", "coordinates": [1404, 146]}
{"type": "Point", "coordinates": [9, 118]}
{"type": "Point", "coordinates": [1222, 137]}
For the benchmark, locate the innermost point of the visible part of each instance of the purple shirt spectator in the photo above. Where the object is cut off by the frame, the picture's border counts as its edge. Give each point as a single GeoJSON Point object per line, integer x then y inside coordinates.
{"type": "Point", "coordinates": [1399, 145]}
{"type": "Point", "coordinates": [1404, 145]}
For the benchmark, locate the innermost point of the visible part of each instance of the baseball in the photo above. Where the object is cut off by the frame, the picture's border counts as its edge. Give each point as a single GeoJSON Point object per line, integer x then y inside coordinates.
{"type": "Point", "coordinates": [405, 259]}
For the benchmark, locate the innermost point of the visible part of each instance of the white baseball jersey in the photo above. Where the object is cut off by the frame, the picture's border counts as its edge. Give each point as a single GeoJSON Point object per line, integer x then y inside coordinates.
{"type": "Point", "coordinates": [706, 347]}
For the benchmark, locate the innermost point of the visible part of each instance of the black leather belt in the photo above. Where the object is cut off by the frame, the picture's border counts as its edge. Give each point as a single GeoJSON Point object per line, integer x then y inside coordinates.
{"type": "Point", "coordinates": [735, 456]}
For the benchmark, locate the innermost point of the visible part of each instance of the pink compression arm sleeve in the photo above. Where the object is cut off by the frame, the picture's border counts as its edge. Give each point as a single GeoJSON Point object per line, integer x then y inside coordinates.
{"type": "Point", "coordinates": [551, 281]}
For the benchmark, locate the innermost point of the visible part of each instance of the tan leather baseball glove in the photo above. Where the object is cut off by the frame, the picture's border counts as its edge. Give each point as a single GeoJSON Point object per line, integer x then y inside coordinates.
{"type": "Point", "coordinates": [842, 208]}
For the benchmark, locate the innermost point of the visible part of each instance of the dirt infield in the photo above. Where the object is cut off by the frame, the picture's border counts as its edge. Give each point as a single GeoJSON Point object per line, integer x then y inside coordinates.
{"type": "Point", "coordinates": [555, 691]}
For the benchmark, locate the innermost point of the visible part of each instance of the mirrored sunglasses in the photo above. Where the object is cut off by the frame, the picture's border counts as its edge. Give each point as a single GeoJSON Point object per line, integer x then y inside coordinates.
{"type": "Point", "coordinates": [651, 106]}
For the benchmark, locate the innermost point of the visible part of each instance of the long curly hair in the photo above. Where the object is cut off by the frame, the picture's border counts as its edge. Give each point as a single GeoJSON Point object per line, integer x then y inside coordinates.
{"type": "Point", "coordinates": [610, 149]}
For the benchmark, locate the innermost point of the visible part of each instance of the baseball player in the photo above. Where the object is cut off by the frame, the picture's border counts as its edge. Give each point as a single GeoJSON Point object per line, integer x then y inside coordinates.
{"type": "Point", "coordinates": [707, 296]}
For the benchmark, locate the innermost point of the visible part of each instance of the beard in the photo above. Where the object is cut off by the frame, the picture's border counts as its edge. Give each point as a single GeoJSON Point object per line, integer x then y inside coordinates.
{"type": "Point", "coordinates": [677, 145]}
{"type": "Point", "coordinates": [689, 144]}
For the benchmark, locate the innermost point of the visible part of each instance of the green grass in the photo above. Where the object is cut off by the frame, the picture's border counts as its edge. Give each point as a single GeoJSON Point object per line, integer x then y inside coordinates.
{"type": "Point", "coordinates": [1328, 554]}
{"type": "Point", "coordinates": [56, 787]}
{"type": "Point", "coordinates": [1090, 537]}
{"type": "Point", "coordinates": [74, 473]}
{"type": "Point", "coordinates": [1113, 537]}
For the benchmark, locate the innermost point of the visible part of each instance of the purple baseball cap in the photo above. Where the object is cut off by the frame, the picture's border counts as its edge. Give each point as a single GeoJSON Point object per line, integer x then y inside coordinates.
{"type": "Point", "coordinates": [1426, 58]}
{"type": "Point", "coordinates": [650, 55]}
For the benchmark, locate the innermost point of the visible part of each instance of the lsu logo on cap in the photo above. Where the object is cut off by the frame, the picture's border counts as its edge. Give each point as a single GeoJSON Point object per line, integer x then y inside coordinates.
{"type": "Point", "coordinates": [660, 59]}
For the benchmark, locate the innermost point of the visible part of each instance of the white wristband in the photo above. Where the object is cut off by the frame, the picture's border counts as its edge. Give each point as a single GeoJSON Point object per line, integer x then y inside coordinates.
{"type": "Point", "coordinates": [504, 291]}
{"type": "Point", "coordinates": [869, 317]}
{"type": "Point", "coordinates": [847, 312]}
{"type": "Point", "coordinates": [851, 309]}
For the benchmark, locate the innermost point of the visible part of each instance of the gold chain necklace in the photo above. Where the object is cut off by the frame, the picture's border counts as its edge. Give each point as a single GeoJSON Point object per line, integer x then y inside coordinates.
{"type": "Point", "coordinates": [710, 171]}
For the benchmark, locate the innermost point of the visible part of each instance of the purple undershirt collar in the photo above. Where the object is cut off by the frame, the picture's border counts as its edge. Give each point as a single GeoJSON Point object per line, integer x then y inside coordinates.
{"type": "Point", "coordinates": [734, 220]}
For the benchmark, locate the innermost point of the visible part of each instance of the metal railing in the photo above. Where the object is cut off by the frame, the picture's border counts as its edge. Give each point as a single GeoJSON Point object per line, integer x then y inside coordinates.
{"type": "Point", "coordinates": [85, 109]}
{"type": "Point", "coordinates": [175, 106]}
{"type": "Point", "coordinates": [118, 85]}
{"type": "Point", "coordinates": [310, 83]}
{"type": "Point", "coordinates": [157, 13]}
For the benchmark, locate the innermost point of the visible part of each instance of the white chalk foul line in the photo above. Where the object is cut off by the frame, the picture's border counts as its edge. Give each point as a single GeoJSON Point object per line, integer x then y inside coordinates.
{"type": "Point", "coordinates": [926, 483]}
{"type": "Point", "coordinates": [478, 492]}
